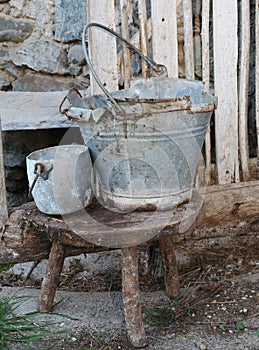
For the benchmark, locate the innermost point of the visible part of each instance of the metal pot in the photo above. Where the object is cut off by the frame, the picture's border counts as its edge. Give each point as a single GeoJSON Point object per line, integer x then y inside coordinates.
{"type": "Point", "coordinates": [60, 178]}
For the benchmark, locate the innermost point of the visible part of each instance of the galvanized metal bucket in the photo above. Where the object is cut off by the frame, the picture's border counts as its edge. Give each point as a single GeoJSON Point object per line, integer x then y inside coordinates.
{"type": "Point", "coordinates": [60, 178]}
{"type": "Point", "coordinates": [145, 141]}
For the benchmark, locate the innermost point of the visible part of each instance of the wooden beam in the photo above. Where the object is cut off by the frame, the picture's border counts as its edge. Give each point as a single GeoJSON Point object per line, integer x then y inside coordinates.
{"type": "Point", "coordinates": [225, 19]}
{"type": "Point", "coordinates": [243, 89]}
{"type": "Point", "coordinates": [164, 35]}
{"type": "Point", "coordinates": [231, 204]}
{"type": "Point", "coordinates": [33, 110]}
{"type": "Point", "coordinates": [103, 51]}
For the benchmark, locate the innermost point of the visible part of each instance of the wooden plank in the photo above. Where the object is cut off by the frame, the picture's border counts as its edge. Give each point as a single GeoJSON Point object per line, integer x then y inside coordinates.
{"type": "Point", "coordinates": [103, 50]}
{"type": "Point", "coordinates": [197, 44]}
{"type": "Point", "coordinates": [257, 72]}
{"type": "Point", "coordinates": [205, 38]}
{"type": "Point", "coordinates": [22, 242]}
{"type": "Point", "coordinates": [225, 17]}
{"type": "Point", "coordinates": [142, 12]}
{"type": "Point", "coordinates": [3, 201]}
{"type": "Point", "coordinates": [164, 35]}
{"type": "Point", "coordinates": [188, 39]}
{"type": "Point", "coordinates": [32, 110]}
{"type": "Point", "coordinates": [125, 4]}
{"type": "Point", "coordinates": [243, 89]}
{"type": "Point", "coordinates": [231, 204]}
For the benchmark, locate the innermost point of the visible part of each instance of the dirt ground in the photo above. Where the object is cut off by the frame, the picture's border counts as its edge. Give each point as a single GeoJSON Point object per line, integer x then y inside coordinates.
{"type": "Point", "coordinates": [218, 307]}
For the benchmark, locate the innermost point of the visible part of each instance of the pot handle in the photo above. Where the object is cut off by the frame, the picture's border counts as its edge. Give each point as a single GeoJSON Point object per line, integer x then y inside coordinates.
{"type": "Point", "coordinates": [39, 171]}
{"type": "Point", "coordinates": [158, 68]}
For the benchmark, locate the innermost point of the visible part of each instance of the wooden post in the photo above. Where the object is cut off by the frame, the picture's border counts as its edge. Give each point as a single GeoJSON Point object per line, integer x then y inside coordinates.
{"type": "Point", "coordinates": [164, 35]}
{"type": "Point", "coordinates": [3, 201]}
{"type": "Point", "coordinates": [188, 39]}
{"type": "Point", "coordinates": [225, 19]}
{"type": "Point", "coordinates": [197, 45]}
{"type": "Point", "coordinates": [125, 5]}
{"type": "Point", "coordinates": [205, 38]}
{"type": "Point", "coordinates": [170, 269]}
{"type": "Point", "coordinates": [51, 277]}
{"type": "Point", "coordinates": [131, 297]}
{"type": "Point", "coordinates": [243, 89]}
{"type": "Point", "coordinates": [142, 11]}
{"type": "Point", "coordinates": [103, 50]}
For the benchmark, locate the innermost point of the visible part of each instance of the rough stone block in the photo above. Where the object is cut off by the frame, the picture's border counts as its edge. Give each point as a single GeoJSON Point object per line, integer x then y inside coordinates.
{"type": "Point", "coordinates": [4, 55]}
{"type": "Point", "coordinates": [36, 82]}
{"type": "Point", "coordinates": [12, 70]}
{"type": "Point", "coordinates": [76, 55]}
{"type": "Point", "coordinates": [15, 30]}
{"type": "Point", "coordinates": [70, 19]}
{"type": "Point", "coordinates": [4, 82]}
{"type": "Point", "coordinates": [43, 56]}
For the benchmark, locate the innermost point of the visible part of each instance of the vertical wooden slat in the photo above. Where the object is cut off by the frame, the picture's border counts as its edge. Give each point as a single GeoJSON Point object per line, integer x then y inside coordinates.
{"type": "Point", "coordinates": [126, 5]}
{"type": "Point", "coordinates": [188, 39]}
{"type": "Point", "coordinates": [103, 51]}
{"type": "Point", "coordinates": [257, 72]}
{"type": "Point", "coordinates": [225, 19]}
{"type": "Point", "coordinates": [142, 11]}
{"type": "Point", "coordinates": [197, 45]}
{"type": "Point", "coordinates": [205, 37]}
{"type": "Point", "coordinates": [3, 201]}
{"type": "Point", "coordinates": [164, 35]}
{"type": "Point", "coordinates": [243, 89]}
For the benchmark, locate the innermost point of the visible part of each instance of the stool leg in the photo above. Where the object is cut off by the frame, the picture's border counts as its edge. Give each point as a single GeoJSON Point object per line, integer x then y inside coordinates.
{"type": "Point", "coordinates": [171, 278]}
{"type": "Point", "coordinates": [52, 277]}
{"type": "Point", "coordinates": [131, 298]}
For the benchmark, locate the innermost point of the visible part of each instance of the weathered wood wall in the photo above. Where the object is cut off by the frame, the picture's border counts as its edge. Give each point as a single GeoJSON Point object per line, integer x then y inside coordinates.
{"type": "Point", "coordinates": [230, 85]}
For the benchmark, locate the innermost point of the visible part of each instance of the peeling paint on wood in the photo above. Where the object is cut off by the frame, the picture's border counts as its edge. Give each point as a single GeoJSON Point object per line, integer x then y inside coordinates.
{"type": "Point", "coordinates": [243, 89]}
{"type": "Point", "coordinates": [188, 39]}
{"type": "Point", "coordinates": [164, 35]}
{"type": "Point", "coordinates": [103, 50]}
{"type": "Point", "coordinates": [225, 16]}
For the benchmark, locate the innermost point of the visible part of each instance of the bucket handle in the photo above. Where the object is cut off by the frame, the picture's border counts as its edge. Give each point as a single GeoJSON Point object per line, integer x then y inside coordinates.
{"type": "Point", "coordinates": [39, 171]}
{"type": "Point", "coordinates": [158, 68]}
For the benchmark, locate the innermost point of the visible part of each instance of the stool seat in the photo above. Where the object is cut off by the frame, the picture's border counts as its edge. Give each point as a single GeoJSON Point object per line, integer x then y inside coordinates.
{"type": "Point", "coordinates": [98, 229]}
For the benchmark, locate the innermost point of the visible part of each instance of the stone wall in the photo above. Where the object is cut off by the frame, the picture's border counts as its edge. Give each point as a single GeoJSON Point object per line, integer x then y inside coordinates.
{"type": "Point", "coordinates": [40, 45]}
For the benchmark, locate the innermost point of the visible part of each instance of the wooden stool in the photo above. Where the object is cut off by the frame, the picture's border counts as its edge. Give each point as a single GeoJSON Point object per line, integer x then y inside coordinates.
{"type": "Point", "coordinates": [62, 236]}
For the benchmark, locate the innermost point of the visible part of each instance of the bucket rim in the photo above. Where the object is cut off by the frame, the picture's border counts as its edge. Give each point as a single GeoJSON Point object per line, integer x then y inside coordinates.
{"type": "Point", "coordinates": [54, 149]}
